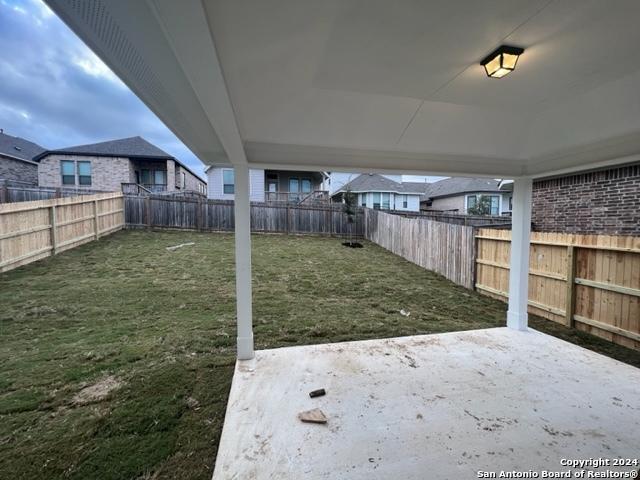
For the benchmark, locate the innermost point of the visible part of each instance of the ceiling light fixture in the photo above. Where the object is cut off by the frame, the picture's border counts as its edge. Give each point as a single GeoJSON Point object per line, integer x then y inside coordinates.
{"type": "Point", "coordinates": [501, 61]}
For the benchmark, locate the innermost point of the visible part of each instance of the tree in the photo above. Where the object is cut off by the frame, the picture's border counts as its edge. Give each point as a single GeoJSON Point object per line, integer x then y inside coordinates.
{"type": "Point", "coordinates": [481, 207]}
{"type": "Point", "coordinates": [350, 209]}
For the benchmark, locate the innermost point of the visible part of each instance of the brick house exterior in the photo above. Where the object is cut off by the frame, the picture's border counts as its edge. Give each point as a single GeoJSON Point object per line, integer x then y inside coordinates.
{"type": "Point", "coordinates": [16, 159]}
{"type": "Point", "coordinates": [18, 170]}
{"type": "Point", "coordinates": [600, 202]}
{"type": "Point", "coordinates": [111, 164]}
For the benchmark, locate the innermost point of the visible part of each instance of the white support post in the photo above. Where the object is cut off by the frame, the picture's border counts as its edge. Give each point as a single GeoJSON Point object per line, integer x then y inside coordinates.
{"type": "Point", "coordinates": [517, 317]}
{"type": "Point", "coordinates": [243, 262]}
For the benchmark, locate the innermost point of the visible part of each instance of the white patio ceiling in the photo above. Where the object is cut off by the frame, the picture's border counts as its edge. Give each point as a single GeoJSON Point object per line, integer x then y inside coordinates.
{"type": "Point", "coordinates": [378, 85]}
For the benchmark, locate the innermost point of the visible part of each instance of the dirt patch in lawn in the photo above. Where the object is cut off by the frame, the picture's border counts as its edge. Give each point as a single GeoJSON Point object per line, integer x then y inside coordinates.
{"type": "Point", "coordinates": [98, 391]}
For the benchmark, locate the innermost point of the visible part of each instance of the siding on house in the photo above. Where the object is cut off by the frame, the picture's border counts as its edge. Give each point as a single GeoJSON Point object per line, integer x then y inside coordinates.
{"type": "Point", "coordinates": [605, 202]}
{"type": "Point", "coordinates": [459, 202]}
{"type": "Point", "coordinates": [215, 184]}
{"type": "Point", "coordinates": [257, 182]}
{"type": "Point", "coordinates": [395, 201]}
{"type": "Point", "coordinates": [448, 203]}
{"type": "Point", "coordinates": [19, 170]}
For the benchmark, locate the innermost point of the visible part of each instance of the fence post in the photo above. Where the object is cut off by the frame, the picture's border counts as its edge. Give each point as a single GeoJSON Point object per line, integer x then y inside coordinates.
{"type": "Point", "coordinates": [288, 215]}
{"type": "Point", "coordinates": [571, 290]}
{"type": "Point", "coordinates": [199, 214]}
{"type": "Point", "coordinates": [95, 219]}
{"type": "Point", "coordinates": [4, 193]}
{"type": "Point", "coordinates": [147, 211]}
{"type": "Point", "coordinates": [54, 233]}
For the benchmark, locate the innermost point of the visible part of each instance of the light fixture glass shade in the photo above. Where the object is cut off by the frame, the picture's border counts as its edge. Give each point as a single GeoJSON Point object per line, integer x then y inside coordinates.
{"type": "Point", "coordinates": [501, 61]}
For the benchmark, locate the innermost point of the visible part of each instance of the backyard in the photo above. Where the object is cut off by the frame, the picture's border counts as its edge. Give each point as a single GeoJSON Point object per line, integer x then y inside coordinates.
{"type": "Point", "coordinates": [117, 357]}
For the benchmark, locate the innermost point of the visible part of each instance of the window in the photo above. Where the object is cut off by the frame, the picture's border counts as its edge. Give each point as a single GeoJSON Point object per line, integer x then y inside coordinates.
{"type": "Point", "coordinates": [404, 199]}
{"type": "Point", "coordinates": [495, 205]}
{"type": "Point", "coordinates": [294, 188]}
{"type": "Point", "coordinates": [471, 201]}
{"type": "Point", "coordinates": [228, 181]}
{"type": "Point", "coordinates": [272, 182]}
{"type": "Point", "coordinates": [510, 204]}
{"type": "Point", "coordinates": [68, 174]}
{"type": "Point", "coordinates": [306, 185]}
{"type": "Point", "coordinates": [183, 180]}
{"type": "Point", "coordinates": [363, 199]}
{"type": "Point", "coordinates": [159, 177]}
{"type": "Point", "coordinates": [376, 200]}
{"type": "Point", "coordinates": [146, 177]}
{"type": "Point", "coordinates": [84, 173]}
{"type": "Point", "coordinates": [386, 201]}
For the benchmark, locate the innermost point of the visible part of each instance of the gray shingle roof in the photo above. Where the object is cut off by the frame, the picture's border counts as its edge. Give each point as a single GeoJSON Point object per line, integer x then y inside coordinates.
{"type": "Point", "coordinates": [378, 183]}
{"type": "Point", "coordinates": [460, 185]}
{"type": "Point", "coordinates": [18, 147]}
{"type": "Point", "coordinates": [123, 147]}
{"type": "Point", "coordinates": [132, 147]}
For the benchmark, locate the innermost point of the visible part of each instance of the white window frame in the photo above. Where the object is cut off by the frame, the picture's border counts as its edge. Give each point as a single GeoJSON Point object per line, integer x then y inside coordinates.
{"type": "Point", "coordinates": [478, 196]}
{"type": "Point", "coordinates": [233, 185]}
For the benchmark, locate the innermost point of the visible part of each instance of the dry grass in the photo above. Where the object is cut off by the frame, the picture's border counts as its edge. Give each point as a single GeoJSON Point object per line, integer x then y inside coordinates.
{"type": "Point", "coordinates": [158, 327]}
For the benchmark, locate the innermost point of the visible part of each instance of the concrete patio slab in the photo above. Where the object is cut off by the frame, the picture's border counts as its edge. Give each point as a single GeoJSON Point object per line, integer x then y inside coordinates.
{"type": "Point", "coordinates": [434, 406]}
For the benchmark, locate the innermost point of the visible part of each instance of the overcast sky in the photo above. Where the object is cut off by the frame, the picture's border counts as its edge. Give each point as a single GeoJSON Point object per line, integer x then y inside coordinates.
{"type": "Point", "coordinates": [55, 92]}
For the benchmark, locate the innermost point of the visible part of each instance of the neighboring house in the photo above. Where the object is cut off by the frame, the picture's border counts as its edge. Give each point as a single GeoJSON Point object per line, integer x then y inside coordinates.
{"type": "Point", "coordinates": [268, 185]}
{"type": "Point", "coordinates": [384, 193]}
{"type": "Point", "coordinates": [602, 202]}
{"type": "Point", "coordinates": [337, 180]}
{"type": "Point", "coordinates": [16, 159]}
{"type": "Point", "coordinates": [108, 165]}
{"type": "Point", "coordinates": [458, 194]}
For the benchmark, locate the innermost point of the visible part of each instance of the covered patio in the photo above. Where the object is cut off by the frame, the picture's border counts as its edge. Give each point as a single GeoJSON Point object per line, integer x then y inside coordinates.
{"type": "Point", "coordinates": [397, 87]}
{"type": "Point", "coordinates": [431, 406]}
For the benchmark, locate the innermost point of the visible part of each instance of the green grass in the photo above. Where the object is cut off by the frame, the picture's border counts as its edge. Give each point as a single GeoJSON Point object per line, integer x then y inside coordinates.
{"type": "Point", "coordinates": [163, 324]}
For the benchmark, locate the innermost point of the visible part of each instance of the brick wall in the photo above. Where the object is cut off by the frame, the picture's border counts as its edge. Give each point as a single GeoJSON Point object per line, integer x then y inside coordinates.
{"type": "Point", "coordinates": [192, 182]}
{"type": "Point", "coordinates": [11, 169]}
{"type": "Point", "coordinates": [107, 173]}
{"type": "Point", "coordinates": [603, 202]}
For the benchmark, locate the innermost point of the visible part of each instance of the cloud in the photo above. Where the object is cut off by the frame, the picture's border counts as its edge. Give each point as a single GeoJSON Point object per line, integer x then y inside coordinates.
{"type": "Point", "coordinates": [59, 93]}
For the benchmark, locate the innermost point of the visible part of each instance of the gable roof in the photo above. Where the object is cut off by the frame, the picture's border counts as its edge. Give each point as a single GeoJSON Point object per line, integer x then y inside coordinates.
{"type": "Point", "coordinates": [372, 182]}
{"type": "Point", "coordinates": [123, 147]}
{"type": "Point", "coordinates": [460, 185]}
{"type": "Point", "coordinates": [19, 148]}
{"type": "Point", "coordinates": [131, 147]}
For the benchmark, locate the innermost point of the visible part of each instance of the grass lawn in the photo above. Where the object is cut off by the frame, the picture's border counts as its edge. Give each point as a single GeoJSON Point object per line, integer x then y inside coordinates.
{"type": "Point", "coordinates": [116, 357]}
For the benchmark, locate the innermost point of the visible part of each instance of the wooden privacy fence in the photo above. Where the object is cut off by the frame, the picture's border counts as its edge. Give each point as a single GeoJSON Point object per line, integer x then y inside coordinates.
{"type": "Point", "coordinates": [30, 231]}
{"type": "Point", "coordinates": [494, 221]}
{"type": "Point", "coordinates": [590, 282]}
{"type": "Point", "coordinates": [442, 247]}
{"type": "Point", "coordinates": [12, 191]}
{"type": "Point", "coordinates": [218, 215]}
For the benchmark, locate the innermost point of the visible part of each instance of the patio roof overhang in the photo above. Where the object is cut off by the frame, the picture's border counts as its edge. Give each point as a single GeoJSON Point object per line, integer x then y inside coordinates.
{"type": "Point", "coordinates": [380, 86]}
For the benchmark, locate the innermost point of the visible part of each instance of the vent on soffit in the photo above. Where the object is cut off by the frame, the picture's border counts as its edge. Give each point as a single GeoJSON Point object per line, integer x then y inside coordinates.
{"type": "Point", "coordinates": [111, 38]}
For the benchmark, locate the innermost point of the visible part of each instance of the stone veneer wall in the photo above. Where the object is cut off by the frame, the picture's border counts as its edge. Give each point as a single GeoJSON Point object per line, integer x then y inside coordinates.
{"type": "Point", "coordinates": [12, 169]}
{"type": "Point", "coordinates": [604, 202]}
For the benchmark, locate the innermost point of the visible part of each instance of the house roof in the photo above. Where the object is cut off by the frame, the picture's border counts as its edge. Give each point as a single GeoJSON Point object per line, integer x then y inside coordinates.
{"type": "Point", "coordinates": [131, 147]}
{"type": "Point", "coordinates": [123, 147]}
{"type": "Point", "coordinates": [377, 183]}
{"type": "Point", "coordinates": [19, 148]}
{"type": "Point", "coordinates": [460, 185]}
